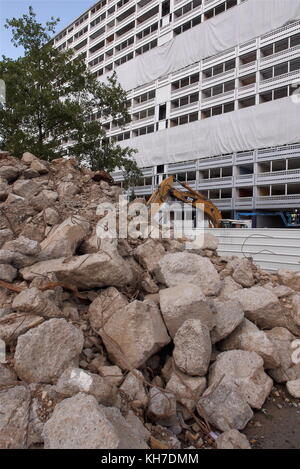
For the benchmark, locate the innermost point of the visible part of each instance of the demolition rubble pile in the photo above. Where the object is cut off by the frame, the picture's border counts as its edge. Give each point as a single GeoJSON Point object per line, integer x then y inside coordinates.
{"type": "Point", "coordinates": [128, 343]}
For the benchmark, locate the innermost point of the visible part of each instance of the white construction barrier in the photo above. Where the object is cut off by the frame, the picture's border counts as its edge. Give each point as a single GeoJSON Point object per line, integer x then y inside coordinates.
{"type": "Point", "coordinates": [271, 249]}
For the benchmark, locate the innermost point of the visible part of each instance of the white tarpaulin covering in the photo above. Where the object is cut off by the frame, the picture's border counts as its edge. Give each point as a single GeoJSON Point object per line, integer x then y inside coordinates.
{"type": "Point", "coordinates": [264, 125]}
{"type": "Point", "coordinates": [235, 26]}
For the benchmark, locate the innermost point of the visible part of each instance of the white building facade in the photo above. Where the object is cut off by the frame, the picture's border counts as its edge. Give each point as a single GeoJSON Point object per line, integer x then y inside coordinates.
{"type": "Point", "coordinates": [213, 89]}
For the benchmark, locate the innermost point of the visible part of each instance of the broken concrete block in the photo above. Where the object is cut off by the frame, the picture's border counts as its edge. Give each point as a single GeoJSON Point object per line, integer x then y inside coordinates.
{"type": "Point", "coordinates": [134, 387]}
{"type": "Point", "coordinates": [7, 376]}
{"type": "Point", "coordinates": [224, 407]}
{"type": "Point", "coordinates": [242, 272]}
{"type": "Point", "coordinates": [43, 353]}
{"type": "Point", "coordinates": [107, 303]}
{"type": "Point", "coordinates": [293, 388]}
{"type": "Point", "coordinates": [183, 267]}
{"type": "Point", "coordinates": [44, 199]}
{"type": "Point", "coordinates": [79, 422]}
{"type": "Point", "coordinates": [162, 407]}
{"type": "Point", "coordinates": [188, 302]}
{"type": "Point", "coordinates": [14, 415]}
{"type": "Point", "coordinates": [289, 279]}
{"type": "Point", "coordinates": [149, 254]}
{"type": "Point", "coordinates": [5, 235]}
{"type": "Point", "coordinates": [192, 348]}
{"type": "Point", "coordinates": [15, 324]}
{"type": "Point", "coordinates": [232, 439]}
{"type": "Point", "coordinates": [286, 346]}
{"type": "Point", "coordinates": [67, 190]}
{"type": "Point", "coordinates": [135, 335]}
{"type": "Point", "coordinates": [88, 271]}
{"type": "Point", "coordinates": [248, 337]}
{"type": "Point", "coordinates": [51, 216]}
{"type": "Point", "coordinates": [228, 316]}
{"type": "Point", "coordinates": [26, 188]}
{"type": "Point", "coordinates": [34, 301]}
{"type": "Point", "coordinates": [74, 380]}
{"type": "Point", "coordinates": [65, 238]}
{"type": "Point", "coordinates": [9, 173]}
{"type": "Point", "coordinates": [26, 246]}
{"type": "Point", "coordinates": [260, 306]}
{"type": "Point", "coordinates": [245, 370]}
{"type": "Point", "coordinates": [112, 374]}
{"type": "Point", "coordinates": [7, 272]}
{"type": "Point", "coordinates": [187, 389]}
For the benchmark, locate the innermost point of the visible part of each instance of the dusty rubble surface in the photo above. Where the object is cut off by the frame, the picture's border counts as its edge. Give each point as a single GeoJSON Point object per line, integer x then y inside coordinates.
{"type": "Point", "coordinates": [130, 343]}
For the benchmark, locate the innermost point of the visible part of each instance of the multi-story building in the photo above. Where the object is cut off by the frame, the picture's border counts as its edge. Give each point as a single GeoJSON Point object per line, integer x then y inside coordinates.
{"type": "Point", "coordinates": [213, 91]}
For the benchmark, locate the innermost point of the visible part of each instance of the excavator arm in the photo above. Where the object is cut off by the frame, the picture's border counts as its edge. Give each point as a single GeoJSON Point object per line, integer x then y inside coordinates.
{"type": "Point", "coordinates": [189, 196]}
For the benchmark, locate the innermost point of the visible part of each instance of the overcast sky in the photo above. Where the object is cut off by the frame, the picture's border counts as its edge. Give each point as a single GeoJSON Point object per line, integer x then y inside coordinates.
{"type": "Point", "coordinates": [66, 10]}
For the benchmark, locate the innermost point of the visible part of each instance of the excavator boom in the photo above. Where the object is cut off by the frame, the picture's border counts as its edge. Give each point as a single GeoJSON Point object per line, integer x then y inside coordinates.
{"type": "Point", "coordinates": [189, 196]}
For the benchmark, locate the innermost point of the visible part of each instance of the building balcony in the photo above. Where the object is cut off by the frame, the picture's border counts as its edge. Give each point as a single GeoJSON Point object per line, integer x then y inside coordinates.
{"type": "Point", "coordinates": [189, 15]}
{"type": "Point", "coordinates": [219, 58]}
{"type": "Point", "coordinates": [276, 177]}
{"type": "Point", "coordinates": [215, 183]}
{"type": "Point", "coordinates": [215, 162]}
{"type": "Point", "coordinates": [141, 106]}
{"type": "Point", "coordinates": [280, 80]}
{"type": "Point", "coordinates": [250, 67]}
{"type": "Point", "coordinates": [279, 57]}
{"type": "Point", "coordinates": [246, 90]}
{"type": "Point", "coordinates": [244, 202]}
{"type": "Point", "coordinates": [218, 99]}
{"type": "Point", "coordinates": [223, 204]}
{"type": "Point", "coordinates": [287, 151]}
{"type": "Point", "coordinates": [244, 180]}
{"type": "Point", "coordinates": [184, 90]}
{"type": "Point", "coordinates": [187, 108]}
{"type": "Point", "coordinates": [278, 201]}
{"type": "Point", "coordinates": [210, 81]}
{"type": "Point", "coordinates": [279, 33]}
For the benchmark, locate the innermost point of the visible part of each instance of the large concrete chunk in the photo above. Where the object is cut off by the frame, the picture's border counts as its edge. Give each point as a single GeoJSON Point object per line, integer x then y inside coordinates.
{"type": "Point", "coordinates": [26, 188]}
{"type": "Point", "coordinates": [75, 380]}
{"type": "Point", "coordinates": [14, 415]}
{"type": "Point", "coordinates": [64, 240]}
{"type": "Point", "coordinates": [232, 439]}
{"type": "Point", "coordinates": [261, 306]}
{"type": "Point", "coordinates": [35, 301]}
{"type": "Point", "coordinates": [192, 350]}
{"type": "Point", "coordinates": [44, 199]}
{"type": "Point", "coordinates": [80, 423]}
{"type": "Point", "coordinates": [162, 407]}
{"type": "Point", "coordinates": [134, 388]}
{"type": "Point", "coordinates": [182, 267]}
{"type": "Point", "coordinates": [43, 353]}
{"type": "Point", "coordinates": [88, 271]}
{"type": "Point", "coordinates": [135, 335]}
{"type": "Point", "coordinates": [245, 370]}
{"type": "Point", "coordinates": [248, 337]}
{"type": "Point", "coordinates": [107, 303]}
{"type": "Point", "coordinates": [5, 235]}
{"type": "Point", "coordinates": [187, 389]}
{"type": "Point", "coordinates": [242, 272]}
{"type": "Point", "coordinates": [9, 173]}
{"type": "Point", "coordinates": [290, 279]}
{"type": "Point", "coordinates": [286, 345]}
{"type": "Point", "coordinates": [26, 246]}
{"type": "Point", "coordinates": [229, 315]}
{"type": "Point", "coordinates": [7, 376]}
{"type": "Point", "coordinates": [149, 254]}
{"type": "Point", "coordinates": [7, 272]}
{"type": "Point", "coordinates": [188, 302]}
{"type": "Point", "coordinates": [293, 388]}
{"type": "Point", "coordinates": [224, 407]}
{"type": "Point", "coordinates": [15, 324]}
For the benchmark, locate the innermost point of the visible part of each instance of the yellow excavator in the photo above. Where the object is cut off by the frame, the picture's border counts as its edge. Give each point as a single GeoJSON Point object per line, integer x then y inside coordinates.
{"type": "Point", "coordinates": [192, 197]}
